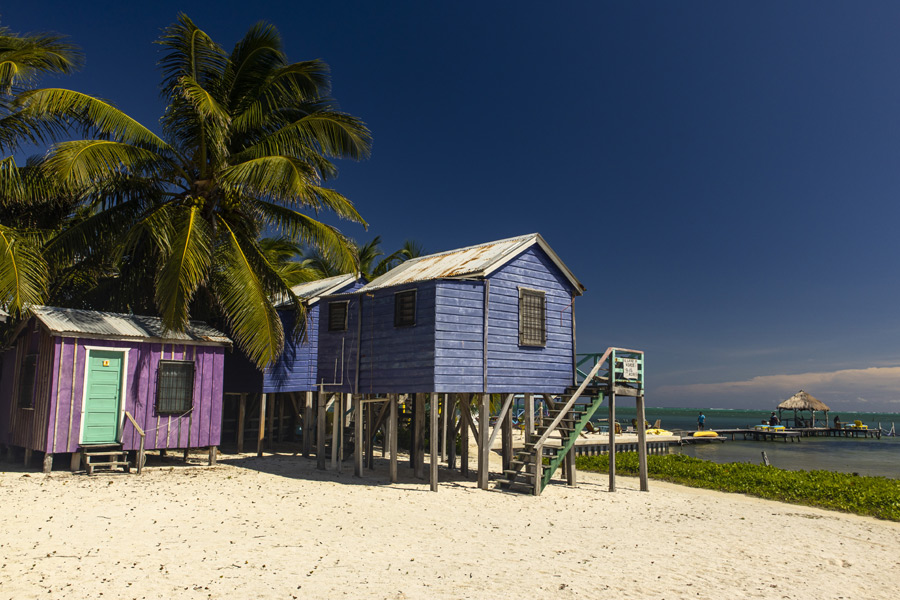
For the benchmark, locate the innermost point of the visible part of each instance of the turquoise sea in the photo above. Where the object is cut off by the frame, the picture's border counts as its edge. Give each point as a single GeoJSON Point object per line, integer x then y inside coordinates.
{"type": "Point", "coordinates": [862, 456]}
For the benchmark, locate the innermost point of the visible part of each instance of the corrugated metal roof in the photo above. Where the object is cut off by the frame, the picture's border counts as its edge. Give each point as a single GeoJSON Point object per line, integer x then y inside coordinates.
{"type": "Point", "coordinates": [473, 261]}
{"type": "Point", "coordinates": [91, 323]}
{"type": "Point", "coordinates": [313, 290]}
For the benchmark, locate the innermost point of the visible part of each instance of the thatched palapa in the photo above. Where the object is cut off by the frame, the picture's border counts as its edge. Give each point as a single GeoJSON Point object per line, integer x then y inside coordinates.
{"type": "Point", "coordinates": [804, 401]}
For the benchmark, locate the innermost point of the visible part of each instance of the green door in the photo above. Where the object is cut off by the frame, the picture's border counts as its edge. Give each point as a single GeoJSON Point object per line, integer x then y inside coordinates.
{"type": "Point", "coordinates": [101, 401]}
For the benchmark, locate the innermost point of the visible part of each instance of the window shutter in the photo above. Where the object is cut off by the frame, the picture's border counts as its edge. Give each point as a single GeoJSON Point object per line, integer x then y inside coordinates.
{"type": "Point", "coordinates": [405, 308]}
{"type": "Point", "coordinates": [532, 318]}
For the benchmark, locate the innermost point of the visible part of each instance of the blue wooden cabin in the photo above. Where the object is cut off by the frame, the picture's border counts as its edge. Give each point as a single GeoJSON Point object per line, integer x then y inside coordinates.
{"type": "Point", "coordinates": [294, 371]}
{"type": "Point", "coordinates": [492, 318]}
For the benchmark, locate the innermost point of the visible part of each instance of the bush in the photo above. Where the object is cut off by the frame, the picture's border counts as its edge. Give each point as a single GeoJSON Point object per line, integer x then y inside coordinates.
{"type": "Point", "coordinates": [871, 496]}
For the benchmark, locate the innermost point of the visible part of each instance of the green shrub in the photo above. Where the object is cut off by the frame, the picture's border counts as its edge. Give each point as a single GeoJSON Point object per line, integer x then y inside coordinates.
{"type": "Point", "coordinates": [872, 496]}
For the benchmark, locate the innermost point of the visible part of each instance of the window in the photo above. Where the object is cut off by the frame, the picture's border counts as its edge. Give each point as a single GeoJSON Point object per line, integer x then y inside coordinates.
{"type": "Point", "coordinates": [532, 318]}
{"type": "Point", "coordinates": [26, 381]}
{"type": "Point", "coordinates": [174, 387]}
{"type": "Point", "coordinates": [337, 315]}
{"type": "Point", "coordinates": [405, 308]}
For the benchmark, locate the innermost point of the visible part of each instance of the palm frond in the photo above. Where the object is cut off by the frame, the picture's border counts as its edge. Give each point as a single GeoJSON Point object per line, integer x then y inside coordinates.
{"type": "Point", "coordinates": [83, 163]}
{"type": "Point", "coordinates": [289, 181]}
{"type": "Point", "coordinates": [23, 57]}
{"type": "Point", "coordinates": [190, 52]}
{"type": "Point", "coordinates": [203, 102]}
{"type": "Point", "coordinates": [97, 114]}
{"type": "Point", "coordinates": [243, 285]}
{"type": "Point", "coordinates": [184, 267]}
{"type": "Point", "coordinates": [333, 245]}
{"type": "Point", "coordinates": [23, 271]}
{"type": "Point", "coordinates": [332, 133]}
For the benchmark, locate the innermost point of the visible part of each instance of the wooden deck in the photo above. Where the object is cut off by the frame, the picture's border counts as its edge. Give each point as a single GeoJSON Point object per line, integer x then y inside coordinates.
{"type": "Point", "coordinates": [758, 435]}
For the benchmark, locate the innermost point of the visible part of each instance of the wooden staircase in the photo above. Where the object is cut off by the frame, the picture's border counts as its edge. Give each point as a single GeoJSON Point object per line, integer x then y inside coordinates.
{"type": "Point", "coordinates": [106, 457]}
{"type": "Point", "coordinates": [617, 371]}
{"type": "Point", "coordinates": [520, 477]}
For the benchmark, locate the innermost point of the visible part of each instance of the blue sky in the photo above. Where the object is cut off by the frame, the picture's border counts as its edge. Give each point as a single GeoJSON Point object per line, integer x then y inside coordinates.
{"type": "Point", "coordinates": [721, 176]}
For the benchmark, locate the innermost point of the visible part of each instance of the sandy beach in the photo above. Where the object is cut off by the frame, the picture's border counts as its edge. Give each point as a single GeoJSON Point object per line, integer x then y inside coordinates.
{"type": "Point", "coordinates": [277, 528]}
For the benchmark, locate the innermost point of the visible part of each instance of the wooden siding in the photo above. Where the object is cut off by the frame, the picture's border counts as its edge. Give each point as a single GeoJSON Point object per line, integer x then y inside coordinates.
{"type": "Point", "coordinates": [513, 368]}
{"type": "Point", "coordinates": [337, 352]}
{"type": "Point", "coordinates": [459, 336]}
{"type": "Point", "coordinates": [55, 423]}
{"type": "Point", "coordinates": [295, 369]}
{"type": "Point", "coordinates": [397, 359]}
{"type": "Point", "coordinates": [391, 359]}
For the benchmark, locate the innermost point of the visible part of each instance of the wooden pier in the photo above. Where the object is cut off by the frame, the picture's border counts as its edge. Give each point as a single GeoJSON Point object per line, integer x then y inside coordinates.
{"type": "Point", "coordinates": [758, 435]}
{"type": "Point", "coordinates": [794, 434]}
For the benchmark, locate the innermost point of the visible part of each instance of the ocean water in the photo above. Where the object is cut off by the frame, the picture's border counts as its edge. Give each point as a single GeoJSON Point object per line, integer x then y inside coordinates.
{"type": "Point", "coordinates": [846, 455]}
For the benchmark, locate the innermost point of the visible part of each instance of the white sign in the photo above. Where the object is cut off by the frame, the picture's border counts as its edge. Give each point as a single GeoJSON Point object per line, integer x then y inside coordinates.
{"type": "Point", "coordinates": [630, 368]}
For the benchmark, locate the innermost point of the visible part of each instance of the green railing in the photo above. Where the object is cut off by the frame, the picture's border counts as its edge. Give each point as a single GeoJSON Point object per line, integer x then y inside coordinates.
{"type": "Point", "coordinates": [629, 367]}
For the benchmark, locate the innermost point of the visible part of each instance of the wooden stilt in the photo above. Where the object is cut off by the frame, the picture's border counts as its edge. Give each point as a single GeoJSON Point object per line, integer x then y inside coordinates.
{"type": "Point", "coordinates": [213, 455]}
{"type": "Point", "coordinates": [642, 444]}
{"type": "Point", "coordinates": [434, 441]}
{"type": "Point", "coordinates": [506, 438]}
{"type": "Point", "coordinates": [484, 423]}
{"type": "Point", "coordinates": [413, 421]}
{"type": "Point", "coordinates": [612, 436]}
{"type": "Point", "coordinates": [538, 469]}
{"type": "Point", "coordinates": [307, 423]}
{"type": "Point", "coordinates": [262, 425]}
{"type": "Point", "coordinates": [358, 408]}
{"type": "Point", "coordinates": [242, 415]}
{"type": "Point", "coordinates": [270, 420]}
{"type": "Point", "coordinates": [419, 445]}
{"type": "Point", "coordinates": [48, 462]}
{"type": "Point", "coordinates": [465, 418]}
{"type": "Point", "coordinates": [450, 439]}
{"type": "Point", "coordinates": [338, 414]}
{"type": "Point", "coordinates": [570, 467]}
{"type": "Point", "coordinates": [392, 436]}
{"type": "Point", "coordinates": [320, 431]}
{"type": "Point", "coordinates": [444, 425]}
{"type": "Point", "coordinates": [75, 462]}
{"type": "Point", "coordinates": [529, 416]}
{"type": "Point", "coordinates": [280, 430]}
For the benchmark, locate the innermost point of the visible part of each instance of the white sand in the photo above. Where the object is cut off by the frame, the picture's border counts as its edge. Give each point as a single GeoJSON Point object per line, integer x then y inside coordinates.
{"type": "Point", "coordinates": [277, 528]}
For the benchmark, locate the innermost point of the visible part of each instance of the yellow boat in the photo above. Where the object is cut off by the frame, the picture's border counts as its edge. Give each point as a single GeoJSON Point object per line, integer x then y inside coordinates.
{"type": "Point", "coordinates": [657, 431]}
{"type": "Point", "coordinates": [705, 434]}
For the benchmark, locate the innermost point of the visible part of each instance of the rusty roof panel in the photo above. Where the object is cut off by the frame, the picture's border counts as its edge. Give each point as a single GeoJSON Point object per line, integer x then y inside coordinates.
{"type": "Point", "coordinates": [474, 261]}
{"type": "Point", "coordinates": [70, 321]}
{"type": "Point", "coordinates": [313, 290]}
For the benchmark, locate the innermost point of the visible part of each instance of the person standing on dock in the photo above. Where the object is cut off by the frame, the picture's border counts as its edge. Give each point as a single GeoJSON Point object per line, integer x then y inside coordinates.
{"type": "Point", "coordinates": [773, 420]}
{"type": "Point", "coordinates": [701, 422]}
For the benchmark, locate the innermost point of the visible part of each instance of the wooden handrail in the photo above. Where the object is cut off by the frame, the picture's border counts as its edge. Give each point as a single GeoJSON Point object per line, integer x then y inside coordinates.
{"type": "Point", "coordinates": [140, 454]}
{"type": "Point", "coordinates": [572, 400]}
{"type": "Point", "coordinates": [134, 423]}
{"type": "Point", "coordinates": [581, 388]}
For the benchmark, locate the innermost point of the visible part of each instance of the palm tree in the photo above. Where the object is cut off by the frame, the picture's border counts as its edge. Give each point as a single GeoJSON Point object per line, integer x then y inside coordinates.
{"type": "Point", "coordinates": [245, 147]}
{"type": "Point", "coordinates": [29, 206]}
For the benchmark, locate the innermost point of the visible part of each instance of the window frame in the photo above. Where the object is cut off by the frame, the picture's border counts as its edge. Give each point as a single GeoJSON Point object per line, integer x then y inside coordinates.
{"type": "Point", "coordinates": [527, 328]}
{"type": "Point", "coordinates": [398, 323]}
{"type": "Point", "coordinates": [346, 304]}
{"type": "Point", "coordinates": [23, 384]}
{"type": "Point", "coordinates": [185, 406]}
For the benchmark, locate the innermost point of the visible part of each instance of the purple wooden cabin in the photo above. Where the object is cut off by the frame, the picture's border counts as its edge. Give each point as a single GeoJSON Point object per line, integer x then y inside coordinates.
{"type": "Point", "coordinates": [70, 375]}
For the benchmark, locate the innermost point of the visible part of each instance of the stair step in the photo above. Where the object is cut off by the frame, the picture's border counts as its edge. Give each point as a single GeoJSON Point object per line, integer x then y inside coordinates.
{"type": "Point", "coordinates": [112, 463]}
{"type": "Point", "coordinates": [515, 486]}
{"type": "Point", "coordinates": [106, 453]}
